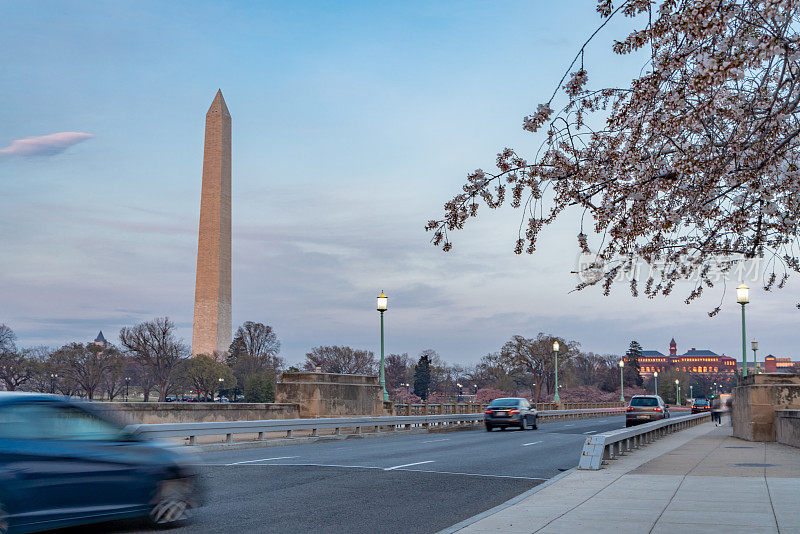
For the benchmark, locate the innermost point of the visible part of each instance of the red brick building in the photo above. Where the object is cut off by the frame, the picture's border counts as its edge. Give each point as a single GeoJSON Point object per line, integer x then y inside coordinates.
{"type": "Point", "coordinates": [694, 361]}
{"type": "Point", "coordinates": [773, 364]}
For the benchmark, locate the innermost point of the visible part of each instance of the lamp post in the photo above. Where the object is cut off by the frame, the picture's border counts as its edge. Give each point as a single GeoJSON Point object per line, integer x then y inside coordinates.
{"type": "Point", "coordinates": [383, 305]}
{"type": "Point", "coordinates": [743, 297]}
{"type": "Point", "coordinates": [655, 375]}
{"type": "Point", "coordinates": [621, 381]}
{"type": "Point", "coordinates": [715, 388]}
{"type": "Point", "coordinates": [555, 351]}
{"type": "Point", "coordinates": [691, 391]}
{"type": "Point", "coordinates": [53, 378]}
{"type": "Point", "coordinates": [677, 392]}
{"type": "Point", "coordinates": [127, 385]}
{"type": "Point", "coordinates": [460, 391]}
{"type": "Point", "coordinates": [221, 380]}
{"type": "Point", "coordinates": [754, 344]}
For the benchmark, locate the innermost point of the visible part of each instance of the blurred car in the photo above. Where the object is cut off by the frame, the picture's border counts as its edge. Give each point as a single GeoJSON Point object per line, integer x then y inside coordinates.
{"type": "Point", "coordinates": [64, 463]}
{"type": "Point", "coordinates": [512, 411]}
{"type": "Point", "coordinates": [644, 409]}
{"type": "Point", "coordinates": [701, 405]}
{"type": "Point", "coordinates": [222, 399]}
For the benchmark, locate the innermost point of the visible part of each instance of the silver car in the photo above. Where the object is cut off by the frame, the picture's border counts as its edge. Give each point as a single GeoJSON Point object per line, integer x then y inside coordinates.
{"type": "Point", "coordinates": [644, 409]}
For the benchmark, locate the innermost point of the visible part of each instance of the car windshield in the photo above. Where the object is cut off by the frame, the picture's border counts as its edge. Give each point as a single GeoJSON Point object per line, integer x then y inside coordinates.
{"type": "Point", "coordinates": [504, 402]}
{"type": "Point", "coordinates": [644, 401]}
{"type": "Point", "coordinates": [701, 402]}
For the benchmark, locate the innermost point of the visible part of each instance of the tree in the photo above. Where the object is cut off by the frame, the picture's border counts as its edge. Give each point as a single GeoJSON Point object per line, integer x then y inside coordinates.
{"type": "Point", "coordinates": [342, 360]}
{"type": "Point", "coordinates": [633, 370]}
{"type": "Point", "coordinates": [86, 365]}
{"type": "Point", "coordinates": [203, 373]}
{"type": "Point", "coordinates": [422, 376]}
{"type": "Point", "coordinates": [254, 350]}
{"type": "Point", "coordinates": [693, 166]}
{"type": "Point", "coordinates": [398, 369]}
{"type": "Point", "coordinates": [154, 345]}
{"type": "Point", "coordinates": [259, 388]}
{"type": "Point", "coordinates": [534, 356]}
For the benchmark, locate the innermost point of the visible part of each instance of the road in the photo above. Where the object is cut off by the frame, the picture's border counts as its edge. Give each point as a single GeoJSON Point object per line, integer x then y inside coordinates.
{"type": "Point", "coordinates": [417, 483]}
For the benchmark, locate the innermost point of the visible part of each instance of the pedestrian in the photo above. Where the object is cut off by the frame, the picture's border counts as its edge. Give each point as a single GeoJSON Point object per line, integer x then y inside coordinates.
{"type": "Point", "coordinates": [729, 409]}
{"type": "Point", "coordinates": [716, 411]}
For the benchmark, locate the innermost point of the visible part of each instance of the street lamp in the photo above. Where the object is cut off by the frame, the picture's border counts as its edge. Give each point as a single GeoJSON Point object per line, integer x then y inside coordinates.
{"type": "Point", "coordinates": [743, 297]}
{"type": "Point", "coordinates": [754, 344]}
{"type": "Point", "coordinates": [53, 378]}
{"type": "Point", "coordinates": [655, 375]}
{"type": "Point", "coordinates": [677, 392]}
{"type": "Point", "coordinates": [715, 388]}
{"type": "Point", "coordinates": [691, 391]}
{"type": "Point", "coordinates": [460, 390]}
{"type": "Point", "coordinates": [383, 305]}
{"type": "Point", "coordinates": [221, 380]}
{"type": "Point", "coordinates": [621, 381]}
{"type": "Point", "coordinates": [127, 385]}
{"type": "Point", "coordinates": [555, 351]}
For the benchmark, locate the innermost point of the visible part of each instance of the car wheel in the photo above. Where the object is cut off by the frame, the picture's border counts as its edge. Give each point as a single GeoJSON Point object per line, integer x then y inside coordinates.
{"type": "Point", "coordinates": [502, 428]}
{"type": "Point", "coordinates": [489, 428]}
{"type": "Point", "coordinates": [535, 423]}
{"type": "Point", "coordinates": [172, 503]}
{"type": "Point", "coordinates": [627, 424]}
{"type": "Point", "coordinates": [524, 424]}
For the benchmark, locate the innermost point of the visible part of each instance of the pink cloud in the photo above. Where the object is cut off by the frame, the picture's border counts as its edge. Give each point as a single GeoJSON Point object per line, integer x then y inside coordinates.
{"type": "Point", "coordinates": [44, 145]}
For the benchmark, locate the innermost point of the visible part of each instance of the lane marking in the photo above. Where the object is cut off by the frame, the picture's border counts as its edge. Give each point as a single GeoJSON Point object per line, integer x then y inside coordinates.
{"type": "Point", "coordinates": [534, 443]}
{"type": "Point", "coordinates": [590, 432]}
{"type": "Point", "coordinates": [407, 465]}
{"type": "Point", "coordinates": [261, 460]}
{"type": "Point", "coordinates": [385, 469]}
{"type": "Point", "coordinates": [435, 440]}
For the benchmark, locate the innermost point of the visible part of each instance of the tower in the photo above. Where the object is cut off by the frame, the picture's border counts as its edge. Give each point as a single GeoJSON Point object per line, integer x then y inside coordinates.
{"type": "Point", "coordinates": [212, 293]}
{"type": "Point", "coordinates": [673, 348]}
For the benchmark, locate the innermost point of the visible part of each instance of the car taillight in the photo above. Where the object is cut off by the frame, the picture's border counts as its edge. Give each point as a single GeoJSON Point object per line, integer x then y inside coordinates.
{"type": "Point", "coordinates": [657, 409]}
{"type": "Point", "coordinates": [488, 411]}
{"type": "Point", "coordinates": [630, 409]}
{"type": "Point", "coordinates": [513, 411]}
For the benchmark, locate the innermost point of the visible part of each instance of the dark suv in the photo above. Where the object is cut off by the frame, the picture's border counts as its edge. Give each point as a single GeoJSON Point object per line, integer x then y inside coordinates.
{"type": "Point", "coordinates": [512, 411]}
{"type": "Point", "coordinates": [646, 408]}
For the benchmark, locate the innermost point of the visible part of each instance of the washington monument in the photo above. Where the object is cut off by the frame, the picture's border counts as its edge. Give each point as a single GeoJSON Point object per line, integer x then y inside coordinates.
{"type": "Point", "coordinates": [212, 292]}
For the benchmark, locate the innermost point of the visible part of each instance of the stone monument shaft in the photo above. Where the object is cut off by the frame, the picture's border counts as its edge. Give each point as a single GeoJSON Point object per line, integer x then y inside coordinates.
{"type": "Point", "coordinates": [212, 293]}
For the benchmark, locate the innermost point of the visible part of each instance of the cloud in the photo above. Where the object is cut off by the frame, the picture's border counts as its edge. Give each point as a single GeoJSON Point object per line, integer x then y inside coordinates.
{"type": "Point", "coordinates": [44, 145]}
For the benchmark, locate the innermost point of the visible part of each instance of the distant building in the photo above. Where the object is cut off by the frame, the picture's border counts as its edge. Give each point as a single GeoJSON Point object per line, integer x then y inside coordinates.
{"type": "Point", "coordinates": [773, 364]}
{"type": "Point", "coordinates": [100, 340]}
{"type": "Point", "coordinates": [694, 361]}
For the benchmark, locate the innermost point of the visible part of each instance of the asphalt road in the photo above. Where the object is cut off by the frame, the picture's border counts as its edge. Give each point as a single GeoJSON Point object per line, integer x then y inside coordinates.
{"type": "Point", "coordinates": [418, 483]}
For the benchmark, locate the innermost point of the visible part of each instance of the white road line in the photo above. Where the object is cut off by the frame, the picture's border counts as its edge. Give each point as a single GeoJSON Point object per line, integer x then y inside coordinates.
{"type": "Point", "coordinates": [435, 440]}
{"type": "Point", "coordinates": [261, 460]}
{"type": "Point", "coordinates": [534, 443]}
{"type": "Point", "coordinates": [471, 474]}
{"type": "Point", "coordinates": [407, 465]}
{"type": "Point", "coordinates": [590, 432]}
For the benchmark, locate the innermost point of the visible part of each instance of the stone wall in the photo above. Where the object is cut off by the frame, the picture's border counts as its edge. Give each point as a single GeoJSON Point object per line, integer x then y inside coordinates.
{"type": "Point", "coordinates": [787, 427]}
{"type": "Point", "coordinates": [198, 412]}
{"type": "Point", "coordinates": [755, 402]}
{"type": "Point", "coordinates": [331, 395]}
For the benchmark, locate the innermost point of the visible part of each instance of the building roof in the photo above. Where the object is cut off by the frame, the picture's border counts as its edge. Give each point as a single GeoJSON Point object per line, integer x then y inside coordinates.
{"type": "Point", "coordinates": [100, 338]}
{"type": "Point", "coordinates": [672, 343]}
{"type": "Point", "coordinates": [652, 354]}
{"type": "Point", "coordinates": [701, 352]}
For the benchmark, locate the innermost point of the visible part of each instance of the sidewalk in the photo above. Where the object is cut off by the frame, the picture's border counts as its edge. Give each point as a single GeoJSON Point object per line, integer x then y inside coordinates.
{"type": "Point", "coordinates": [698, 480]}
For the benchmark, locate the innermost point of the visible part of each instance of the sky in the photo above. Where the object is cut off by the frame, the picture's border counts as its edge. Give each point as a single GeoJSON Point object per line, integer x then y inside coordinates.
{"type": "Point", "coordinates": [353, 123]}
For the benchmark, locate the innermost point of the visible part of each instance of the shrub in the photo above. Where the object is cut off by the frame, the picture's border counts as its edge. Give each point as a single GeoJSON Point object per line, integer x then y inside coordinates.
{"type": "Point", "coordinates": [259, 388]}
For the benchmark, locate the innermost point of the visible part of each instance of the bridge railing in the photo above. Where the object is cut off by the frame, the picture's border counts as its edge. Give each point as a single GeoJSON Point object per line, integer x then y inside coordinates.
{"type": "Point", "coordinates": [336, 424]}
{"type": "Point", "coordinates": [600, 448]}
{"type": "Point", "coordinates": [468, 407]}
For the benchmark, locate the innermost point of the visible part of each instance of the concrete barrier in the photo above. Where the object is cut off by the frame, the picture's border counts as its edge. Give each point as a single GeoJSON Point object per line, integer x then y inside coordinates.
{"type": "Point", "coordinates": [331, 395]}
{"type": "Point", "coordinates": [787, 427]}
{"type": "Point", "coordinates": [197, 412]}
{"type": "Point", "coordinates": [756, 400]}
{"type": "Point", "coordinates": [600, 448]}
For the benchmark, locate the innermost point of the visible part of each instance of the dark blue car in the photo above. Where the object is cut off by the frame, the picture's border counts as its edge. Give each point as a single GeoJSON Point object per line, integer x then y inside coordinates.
{"type": "Point", "coordinates": [62, 463]}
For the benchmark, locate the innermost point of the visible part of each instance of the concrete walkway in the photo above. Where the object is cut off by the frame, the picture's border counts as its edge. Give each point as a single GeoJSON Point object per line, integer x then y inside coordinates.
{"type": "Point", "coordinates": [698, 480]}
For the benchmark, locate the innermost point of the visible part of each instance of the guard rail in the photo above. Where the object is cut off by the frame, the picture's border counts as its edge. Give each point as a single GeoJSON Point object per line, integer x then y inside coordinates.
{"type": "Point", "coordinates": [607, 446]}
{"type": "Point", "coordinates": [393, 423]}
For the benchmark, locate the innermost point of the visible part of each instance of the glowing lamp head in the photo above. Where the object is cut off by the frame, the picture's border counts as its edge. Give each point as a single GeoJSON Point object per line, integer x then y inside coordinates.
{"type": "Point", "coordinates": [383, 302]}
{"type": "Point", "coordinates": [622, 363]}
{"type": "Point", "coordinates": [743, 294]}
{"type": "Point", "coordinates": [555, 346]}
{"type": "Point", "coordinates": [676, 381]}
{"type": "Point", "coordinates": [655, 374]}
{"type": "Point", "coordinates": [754, 345]}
